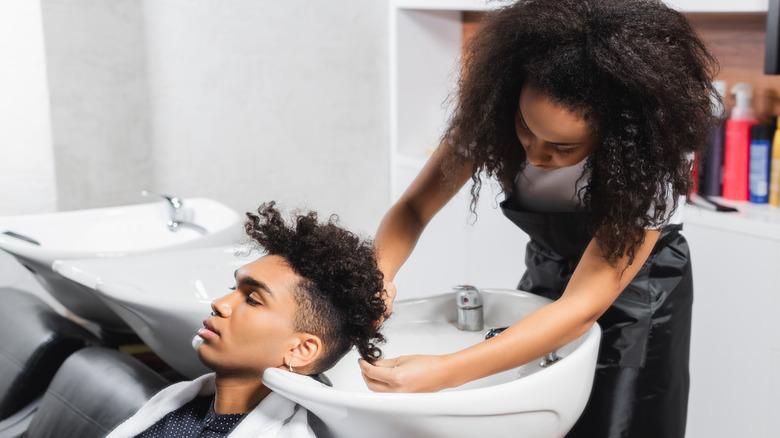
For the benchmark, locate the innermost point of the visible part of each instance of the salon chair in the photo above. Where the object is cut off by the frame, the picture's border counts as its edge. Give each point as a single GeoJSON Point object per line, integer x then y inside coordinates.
{"type": "Point", "coordinates": [94, 390]}
{"type": "Point", "coordinates": [34, 341]}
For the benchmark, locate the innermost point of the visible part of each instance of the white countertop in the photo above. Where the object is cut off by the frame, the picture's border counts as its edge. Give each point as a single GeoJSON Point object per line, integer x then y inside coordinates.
{"type": "Point", "coordinates": [758, 220]}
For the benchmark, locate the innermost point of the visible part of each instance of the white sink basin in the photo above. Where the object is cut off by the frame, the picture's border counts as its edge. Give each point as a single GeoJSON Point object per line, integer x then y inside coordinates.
{"type": "Point", "coordinates": [529, 401]}
{"type": "Point", "coordinates": [38, 240]}
{"type": "Point", "coordinates": [163, 297]}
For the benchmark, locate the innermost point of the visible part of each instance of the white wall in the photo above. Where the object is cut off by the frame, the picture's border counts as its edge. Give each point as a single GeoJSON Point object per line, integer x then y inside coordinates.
{"type": "Point", "coordinates": [96, 60]}
{"type": "Point", "coordinates": [242, 101]}
{"type": "Point", "coordinates": [254, 101]}
{"type": "Point", "coordinates": [27, 183]}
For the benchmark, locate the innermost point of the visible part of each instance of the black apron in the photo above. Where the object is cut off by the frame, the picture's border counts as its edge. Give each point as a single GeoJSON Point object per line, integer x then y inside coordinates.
{"type": "Point", "coordinates": [641, 383]}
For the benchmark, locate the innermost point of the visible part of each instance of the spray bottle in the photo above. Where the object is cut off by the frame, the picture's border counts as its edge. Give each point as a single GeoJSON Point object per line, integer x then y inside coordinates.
{"type": "Point", "coordinates": [736, 157]}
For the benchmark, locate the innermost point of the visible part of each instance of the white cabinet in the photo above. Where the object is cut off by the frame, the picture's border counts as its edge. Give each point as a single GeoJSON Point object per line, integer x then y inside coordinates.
{"type": "Point", "coordinates": [735, 345]}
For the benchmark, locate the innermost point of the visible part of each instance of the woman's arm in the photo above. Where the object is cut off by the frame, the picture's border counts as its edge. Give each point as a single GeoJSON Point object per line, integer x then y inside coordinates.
{"type": "Point", "coordinates": [404, 222]}
{"type": "Point", "coordinates": [593, 287]}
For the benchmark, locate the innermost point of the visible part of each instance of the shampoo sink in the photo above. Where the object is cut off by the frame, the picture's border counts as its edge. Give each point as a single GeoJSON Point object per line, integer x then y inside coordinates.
{"type": "Point", "coordinates": [36, 241]}
{"type": "Point", "coordinates": [532, 401]}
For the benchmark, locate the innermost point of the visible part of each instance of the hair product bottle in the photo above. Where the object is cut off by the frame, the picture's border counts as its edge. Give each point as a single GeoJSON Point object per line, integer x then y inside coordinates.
{"type": "Point", "coordinates": [760, 152]}
{"type": "Point", "coordinates": [737, 144]}
{"type": "Point", "coordinates": [774, 178]}
{"type": "Point", "coordinates": [711, 172]}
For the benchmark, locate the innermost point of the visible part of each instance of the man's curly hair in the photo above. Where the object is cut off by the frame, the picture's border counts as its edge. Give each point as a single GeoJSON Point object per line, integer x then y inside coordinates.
{"type": "Point", "coordinates": [340, 298]}
{"type": "Point", "coordinates": [634, 69]}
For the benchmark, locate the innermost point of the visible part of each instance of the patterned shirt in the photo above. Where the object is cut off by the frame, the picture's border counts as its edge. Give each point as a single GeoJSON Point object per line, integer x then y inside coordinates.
{"type": "Point", "coordinates": [195, 419]}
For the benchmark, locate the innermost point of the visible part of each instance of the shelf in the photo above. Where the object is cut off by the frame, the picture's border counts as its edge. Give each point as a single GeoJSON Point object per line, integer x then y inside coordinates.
{"type": "Point", "coordinates": [757, 220]}
{"type": "Point", "coordinates": [449, 5]}
{"type": "Point", "coordinates": [681, 5]}
{"type": "Point", "coordinates": [719, 5]}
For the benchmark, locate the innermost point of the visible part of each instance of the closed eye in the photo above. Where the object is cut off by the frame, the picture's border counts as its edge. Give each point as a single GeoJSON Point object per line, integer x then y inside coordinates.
{"type": "Point", "coordinates": [252, 301]}
{"type": "Point", "coordinates": [564, 151]}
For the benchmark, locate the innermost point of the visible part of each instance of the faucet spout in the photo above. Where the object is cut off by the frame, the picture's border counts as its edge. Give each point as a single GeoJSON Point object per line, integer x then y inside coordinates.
{"type": "Point", "coordinates": [470, 311]}
{"type": "Point", "coordinates": [176, 210]}
{"type": "Point", "coordinates": [174, 202]}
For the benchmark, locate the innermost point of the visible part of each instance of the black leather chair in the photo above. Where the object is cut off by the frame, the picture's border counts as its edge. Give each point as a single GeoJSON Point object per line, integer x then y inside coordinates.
{"type": "Point", "coordinates": [94, 390]}
{"type": "Point", "coordinates": [34, 341]}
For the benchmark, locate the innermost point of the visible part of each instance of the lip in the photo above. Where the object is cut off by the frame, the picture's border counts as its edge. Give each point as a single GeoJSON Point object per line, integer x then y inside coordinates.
{"type": "Point", "coordinates": [208, 330]}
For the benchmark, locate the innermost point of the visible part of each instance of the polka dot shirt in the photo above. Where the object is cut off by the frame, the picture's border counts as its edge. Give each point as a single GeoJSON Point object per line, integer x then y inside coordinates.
{"type": "Point", "coordinates": [195, 419]}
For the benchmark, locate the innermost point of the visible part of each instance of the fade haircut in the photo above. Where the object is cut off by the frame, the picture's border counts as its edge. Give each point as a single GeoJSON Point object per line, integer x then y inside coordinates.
{"type": "Point", "coordinates": [340, 296]}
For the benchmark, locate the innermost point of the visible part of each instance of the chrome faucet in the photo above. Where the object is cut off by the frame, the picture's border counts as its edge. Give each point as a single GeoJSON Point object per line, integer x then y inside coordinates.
{"type": "Point", "coordinates": [493, 332]}
{"type": "Point", "coordinates": [470, 312]}
{"type": "Point", "coordinates": [176, 217]}
{"type": "Point", "coordinates": [546, 361]}
{"type": "Point", "coordinates": [549, 359]}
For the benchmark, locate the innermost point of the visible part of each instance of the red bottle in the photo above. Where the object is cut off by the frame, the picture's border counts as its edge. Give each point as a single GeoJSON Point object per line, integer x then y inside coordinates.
{"type": "Point", "coordinates": [736, 154]}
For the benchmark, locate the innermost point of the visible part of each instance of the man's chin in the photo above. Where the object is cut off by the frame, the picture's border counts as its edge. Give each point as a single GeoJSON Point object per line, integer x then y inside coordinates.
{"type": "Point", "coordinates": [204, 359]}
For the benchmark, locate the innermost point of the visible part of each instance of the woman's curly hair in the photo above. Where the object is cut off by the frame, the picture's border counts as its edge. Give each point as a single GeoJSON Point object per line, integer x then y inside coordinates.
{"type": "Point", "coordinates": [634, 69]}
{"type": "Point", "coordinates": [340, 298]}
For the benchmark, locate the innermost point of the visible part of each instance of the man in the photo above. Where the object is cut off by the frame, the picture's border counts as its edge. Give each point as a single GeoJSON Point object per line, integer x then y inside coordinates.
{"type": "Point", "coordinates": [316, 293]}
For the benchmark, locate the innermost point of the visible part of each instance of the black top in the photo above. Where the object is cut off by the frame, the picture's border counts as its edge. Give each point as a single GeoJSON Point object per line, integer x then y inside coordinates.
{"type": "Point", "coordinates": [195, 419]}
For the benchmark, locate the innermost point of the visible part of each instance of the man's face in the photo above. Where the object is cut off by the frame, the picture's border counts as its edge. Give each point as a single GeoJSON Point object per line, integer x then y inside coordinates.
{"type": "Point", "coordinates": [251, 328]}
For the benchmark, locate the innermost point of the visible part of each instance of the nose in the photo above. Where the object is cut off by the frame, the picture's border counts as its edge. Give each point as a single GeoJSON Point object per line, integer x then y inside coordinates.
{"type": "Point", "coordinates": [221, 307]}
{"type": "Point", "coordinates": [535, 153]}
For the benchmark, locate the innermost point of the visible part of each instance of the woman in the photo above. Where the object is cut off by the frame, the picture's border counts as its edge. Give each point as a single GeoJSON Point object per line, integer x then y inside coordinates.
{"type": "Point", "coordinates": [587, 112]}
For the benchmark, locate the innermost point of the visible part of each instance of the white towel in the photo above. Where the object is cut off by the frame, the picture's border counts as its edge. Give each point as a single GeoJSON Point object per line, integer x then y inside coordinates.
{"type": "Point", "coordinates": [275, 416]}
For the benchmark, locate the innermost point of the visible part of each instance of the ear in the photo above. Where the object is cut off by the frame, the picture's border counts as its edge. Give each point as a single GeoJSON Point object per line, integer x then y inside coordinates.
{"type": "Point", "coordinates": [305, 349]}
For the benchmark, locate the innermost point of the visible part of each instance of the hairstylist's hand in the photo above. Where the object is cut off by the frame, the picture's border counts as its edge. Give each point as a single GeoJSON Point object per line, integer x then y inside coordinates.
{"type": "Point", "coordinates": [389, 297]}
{"type": "Point", "coordinates": [416, 373]}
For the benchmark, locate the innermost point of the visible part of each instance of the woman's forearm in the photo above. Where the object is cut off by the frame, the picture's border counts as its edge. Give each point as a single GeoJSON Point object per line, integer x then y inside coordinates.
{"type": "Point", "coordinates": [538, 334]}
{"type": "Point", "coordinates": [592, 289]}
{"type": "Point", "coordinates": [526, 340]}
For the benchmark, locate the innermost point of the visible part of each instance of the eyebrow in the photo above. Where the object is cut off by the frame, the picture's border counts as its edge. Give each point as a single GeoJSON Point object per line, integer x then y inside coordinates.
{"type": "Point", "coordinates": [249, 281]}
{"type": "Point", "coordinates": [522, 119]}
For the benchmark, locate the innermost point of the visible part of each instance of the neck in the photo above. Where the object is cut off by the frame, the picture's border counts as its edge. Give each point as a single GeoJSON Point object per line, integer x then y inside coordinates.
{"type": "Point", "coordinates": [238, 395]}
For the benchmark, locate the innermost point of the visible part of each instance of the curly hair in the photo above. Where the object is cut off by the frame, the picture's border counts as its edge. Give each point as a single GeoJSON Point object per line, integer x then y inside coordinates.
{"type": "Point", "coordinates": [340, 295]}
{"type": "Point", "coordinates": [635, 70]}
